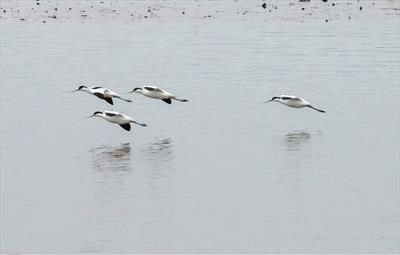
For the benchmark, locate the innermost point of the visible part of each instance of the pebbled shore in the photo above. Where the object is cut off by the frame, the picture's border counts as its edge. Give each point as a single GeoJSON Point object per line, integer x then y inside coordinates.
{"type": "Point", "coordinates": [52, 11]}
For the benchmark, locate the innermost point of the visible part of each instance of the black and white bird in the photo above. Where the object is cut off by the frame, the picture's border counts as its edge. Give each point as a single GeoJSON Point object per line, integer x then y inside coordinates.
{"type": "Point", "coordinates": [117, 118]}
{"type": "Point", "coordinates": [157, 93]}
{"type": "Point", "coordinates": [293, 101]}
{"type": "Point", "coordinates": [102, 93]}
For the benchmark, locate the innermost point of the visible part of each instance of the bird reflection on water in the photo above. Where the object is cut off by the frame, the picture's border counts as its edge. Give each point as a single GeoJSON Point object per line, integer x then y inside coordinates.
{"type": "Point", "coordinates": [296, 140]}
{"type": "Point", "coordinates": [159, 151]}
{"type": "Point", "coordinates": [159, 155]}
{"type": "Point", "coordinates": [298, 148]}
{"type": "Point", "coordinates": [114, 158]}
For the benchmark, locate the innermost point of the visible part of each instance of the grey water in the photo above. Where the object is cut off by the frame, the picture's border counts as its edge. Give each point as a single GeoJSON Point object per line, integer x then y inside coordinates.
{"type": "Point", "coordinates": [224, 172]}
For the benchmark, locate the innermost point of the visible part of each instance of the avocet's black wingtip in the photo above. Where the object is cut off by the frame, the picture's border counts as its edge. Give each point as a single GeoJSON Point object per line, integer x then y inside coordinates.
{"type": "Point", "coordinates": [140, 124]}
{"type": "Point", "coordinates": [109, 100]}
{"type": "Point", "coordinates": [168, 101]}
{"type": "Point", "coordinates": [316, 109]}
{"type": "Point", "coordinates": [127, 126]}
{"type": "Point", "coordinates": [180, 100]}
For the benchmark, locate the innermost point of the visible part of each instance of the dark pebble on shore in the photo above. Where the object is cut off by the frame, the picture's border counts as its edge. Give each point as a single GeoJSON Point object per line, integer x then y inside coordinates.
{"type": "Point", "coordinates": [55, 9]}
{"type": "Point", "coordinates": [302, 9]}
{"type": "Point", "coordinates": [43, 21]}
{"type": "Point", "coordinates": [324, 1]}
{"type": "Point", "coordinates": [264, 5]}
{"type": "Point", "coordinates": [22, 19]}
{"type": "Point", "coordinates": [183, 12]}
{"type": "Point", "coordinates": [37, 3]}
{"type": "Point", "coordinates": [4, 11]}
{"type": "Point", "coordinates": [269, 10]}
{"type": "Point", "coordinates": [145, 16]}
{"type": "Point", "coordinates": [54, 16]}
{"type": "Point", "coordinates": [69, 8]}
{"type": "Point", "coordinates": [326, 20]}
{"type": "Point", "coordinates": [360, 8]}
{"type": "Point", "coordinates": [333, 4]}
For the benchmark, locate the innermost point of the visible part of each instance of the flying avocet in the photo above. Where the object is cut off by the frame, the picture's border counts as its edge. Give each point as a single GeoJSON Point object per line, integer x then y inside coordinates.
{"type": "Point", "coordinates": [157, 93]}
{"type": "Point", "coordinates": [102, 93]}
{"type": "Point", "coordinates": [293, 101]}
{"type": "Point", "coordinates": [117, 118]}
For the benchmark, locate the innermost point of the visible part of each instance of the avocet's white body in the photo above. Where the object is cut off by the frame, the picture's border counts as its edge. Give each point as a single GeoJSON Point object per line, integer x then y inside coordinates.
{"type": "Point", "coordinates": [157, 93]}
{"type": "Point", "coordinates": [117, 118]}
{"type": "Point", "coordinates": [293, 101]}
{"type": "Point", "coordinates": [102, 93]}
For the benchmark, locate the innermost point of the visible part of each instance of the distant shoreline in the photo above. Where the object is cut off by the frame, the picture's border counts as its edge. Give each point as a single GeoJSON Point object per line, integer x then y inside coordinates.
{"type": "Point", "coordinates": [52, 11]}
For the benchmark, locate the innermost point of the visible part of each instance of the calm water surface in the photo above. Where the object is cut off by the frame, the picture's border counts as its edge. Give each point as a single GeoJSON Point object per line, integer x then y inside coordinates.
{"type": "Point", "coordinates": [222, 173]}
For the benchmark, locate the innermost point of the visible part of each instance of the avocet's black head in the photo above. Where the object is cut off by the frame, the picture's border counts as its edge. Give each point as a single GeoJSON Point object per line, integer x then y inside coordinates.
{"type": "Point", "coordinates": [135, 89]}
{"type": "Point", "coordinates": [79, 88]}
{"type": "Point", "coordinates": [273, 98]}
{"type": "Point", "coordinates": [95, 114]}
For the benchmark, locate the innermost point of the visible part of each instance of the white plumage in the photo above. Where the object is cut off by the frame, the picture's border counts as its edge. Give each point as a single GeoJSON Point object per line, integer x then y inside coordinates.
{"type": "Point", "coordinates": [117, 118]}
{"type": "Point", "coordinates": [102, 93]}
{"type": "Point", "coordinates": [293, 101]}
{"type": "Point", "coordinates": [157, 93]}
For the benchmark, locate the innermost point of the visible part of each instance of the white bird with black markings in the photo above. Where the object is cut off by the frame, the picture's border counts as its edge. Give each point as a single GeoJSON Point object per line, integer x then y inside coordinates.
{"type": "Point", "coordinates": [102, 93]}
{"type": "Point", "coordinates": [157, 93]}
{"type": "Point", "coordinates": [293, 101]}
{"type": "Point", "coordinates": [117, 118]}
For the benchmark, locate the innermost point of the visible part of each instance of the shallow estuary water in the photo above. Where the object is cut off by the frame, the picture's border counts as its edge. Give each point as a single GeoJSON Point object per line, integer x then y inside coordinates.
{"type": "Point", "coordinates": [222, 173]}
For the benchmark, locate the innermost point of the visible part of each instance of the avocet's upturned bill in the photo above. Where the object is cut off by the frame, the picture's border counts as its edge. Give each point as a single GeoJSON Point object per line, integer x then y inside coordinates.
{"type": "Point", "coordinates": [117, 118]}
{"type": "Point", "coordinates": [293, 101]}
{"type": "Point", "coordinates": [157, 93]}
{"type": "Point", "coordinates": [102, 93]}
